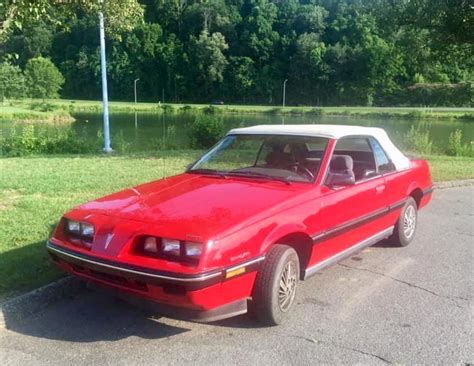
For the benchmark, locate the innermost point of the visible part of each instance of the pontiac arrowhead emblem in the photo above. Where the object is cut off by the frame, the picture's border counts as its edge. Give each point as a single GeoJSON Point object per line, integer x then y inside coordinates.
{"type": "Point", "coordinates": [108, 239]}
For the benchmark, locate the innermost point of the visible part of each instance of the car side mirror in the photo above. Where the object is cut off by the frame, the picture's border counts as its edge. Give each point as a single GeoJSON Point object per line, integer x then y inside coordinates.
{"type": "Point", "coordinates": [340, 179]}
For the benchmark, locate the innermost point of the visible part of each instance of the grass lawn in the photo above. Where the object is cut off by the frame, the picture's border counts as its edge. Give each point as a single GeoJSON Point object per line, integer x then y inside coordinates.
{"type": "Point", "coordinates": [65, 106]}
{"type": "Point", "coordinates": [36, 191]}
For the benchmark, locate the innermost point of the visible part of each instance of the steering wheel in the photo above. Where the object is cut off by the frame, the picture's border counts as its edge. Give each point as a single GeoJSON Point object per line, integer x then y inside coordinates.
{"type": "Point", "coordinates": [303, 169]}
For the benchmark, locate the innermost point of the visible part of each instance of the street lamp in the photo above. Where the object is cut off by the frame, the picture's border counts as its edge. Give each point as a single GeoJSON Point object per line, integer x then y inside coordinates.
{"type": "Point", "coordinates": [135, 89]}
{"type": "Point", "coordinates": [105, 99]}
{"type": "Point", "coordinates": [284, 92]}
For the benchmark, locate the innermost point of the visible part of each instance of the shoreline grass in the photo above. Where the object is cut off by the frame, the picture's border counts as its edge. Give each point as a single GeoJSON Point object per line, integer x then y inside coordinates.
{"type": "Point", "coordinates": [63, 107]}
{"type": "Point", "coordinates": [36, 190]}
{"type": "Point", "coordinates": [26, 114]}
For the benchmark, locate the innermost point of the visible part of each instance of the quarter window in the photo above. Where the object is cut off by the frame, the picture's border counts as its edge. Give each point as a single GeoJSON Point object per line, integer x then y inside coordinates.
{"type": "Point", "coordinates": [384, 165]}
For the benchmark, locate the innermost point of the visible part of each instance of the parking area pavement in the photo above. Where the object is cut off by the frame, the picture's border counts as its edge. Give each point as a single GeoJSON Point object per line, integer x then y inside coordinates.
{"type": "Point", "coordinates": [383, 305]}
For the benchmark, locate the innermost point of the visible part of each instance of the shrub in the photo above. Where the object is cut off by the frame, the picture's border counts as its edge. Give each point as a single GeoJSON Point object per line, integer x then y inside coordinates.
{"type": "Point", "coordinates": [210, 109]}
{"type": "Point", "coordinates": [316, 111]}
{"type": "Point", "coordinates": [12, 82]}
{"type": "Point", "coordinates": [456, 147]}
{"type": "Point", "coordinates": [29, 142]}
{"type": "Point", "coordinates": [119, 143]}
{"type": "Point", "coordinates": [167, 108]}
{"type": "Point", "coordinates": [418, 140]}
{"type": "Point", "coordinates": [43, 106]}
{"type": "Point", "coordinates": [296, 111]}
{"type": "Point", "coordinates": [43, 79]}
{"type": "Point", "coordinates": [205, 131]}
{"type": "Point", "coordinates": [436, 94]}
{"type": "Point", "coordinates": [186, 108]}
{"type": "Point", "coordinates": [276, 110]}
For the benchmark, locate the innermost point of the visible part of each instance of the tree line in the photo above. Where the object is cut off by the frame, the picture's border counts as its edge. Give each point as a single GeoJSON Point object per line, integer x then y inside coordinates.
{"type": "Point", "coordinates": [332, 52]}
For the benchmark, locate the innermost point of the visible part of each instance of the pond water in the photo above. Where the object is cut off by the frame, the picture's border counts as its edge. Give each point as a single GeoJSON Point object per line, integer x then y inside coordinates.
{"type": "Point", "coordinates": [146, 131]}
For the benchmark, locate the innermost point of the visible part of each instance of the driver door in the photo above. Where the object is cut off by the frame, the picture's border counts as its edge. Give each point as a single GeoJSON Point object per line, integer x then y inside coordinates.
{"type": "Point", "coordinates": [355, 212]}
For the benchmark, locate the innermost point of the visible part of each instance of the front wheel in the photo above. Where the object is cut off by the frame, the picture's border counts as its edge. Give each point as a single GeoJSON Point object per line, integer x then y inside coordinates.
{"type": "Point", "coordinates": [275, 286]}
{"type": "Point", "coordinates": [405, 228]}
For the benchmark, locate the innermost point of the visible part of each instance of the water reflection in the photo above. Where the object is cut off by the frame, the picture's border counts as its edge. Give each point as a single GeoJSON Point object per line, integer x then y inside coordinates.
{"type": "Point", "coordinates": [141, 131]}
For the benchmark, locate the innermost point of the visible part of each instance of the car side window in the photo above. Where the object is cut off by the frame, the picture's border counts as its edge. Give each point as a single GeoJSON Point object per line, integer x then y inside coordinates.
{"type": "Point", "coordinates": [359, 150]}
{"type": "Point", "coordinates": [384, 165]}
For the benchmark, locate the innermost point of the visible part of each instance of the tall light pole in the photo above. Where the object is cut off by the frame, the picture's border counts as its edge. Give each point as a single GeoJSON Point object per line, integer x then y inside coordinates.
{"type": "Point", "coordinates": [105, 98]}
{"type": "Point", "coordinates": [135, 89]}
{"type": "Point", "coordinates": [284, 92]}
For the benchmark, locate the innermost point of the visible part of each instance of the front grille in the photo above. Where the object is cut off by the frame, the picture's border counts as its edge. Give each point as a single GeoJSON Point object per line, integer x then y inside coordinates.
{"type": "Point", "coordinates": [109, 278]}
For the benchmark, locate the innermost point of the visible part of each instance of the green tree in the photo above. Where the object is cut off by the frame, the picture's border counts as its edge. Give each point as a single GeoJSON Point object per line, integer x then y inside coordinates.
{"type": "Point", "coordinates": [12, 82]}
{"type": "Point", "coordinates": [122, 15]}
{"type": "Point", "coordinates": [30, 43]}
{"type": "Point", "coordinates": [43, 79]}
{"type": "Point", "coordinates": [241, 76]}
{"type": "Point", "coordinates": [208, 51]}
{"type": "Point", "coordinates": [258, 37]}
{"type": "Point", "coordinates": [310, 70]}
{"type": "Point", "coordinates": [331, 51]}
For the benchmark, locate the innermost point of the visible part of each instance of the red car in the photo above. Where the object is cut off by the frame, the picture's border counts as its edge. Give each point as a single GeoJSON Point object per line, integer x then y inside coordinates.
{"type": "Point", "coordinates": [267, 206]}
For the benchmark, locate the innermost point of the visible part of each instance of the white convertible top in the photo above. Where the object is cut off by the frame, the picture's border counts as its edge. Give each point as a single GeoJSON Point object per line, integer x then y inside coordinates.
{"type": "Point", "coordinates": [331, 131]}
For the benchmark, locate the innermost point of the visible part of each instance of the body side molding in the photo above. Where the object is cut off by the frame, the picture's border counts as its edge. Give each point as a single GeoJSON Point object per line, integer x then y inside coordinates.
{"type": "Point", "coordinates": [348, 252]}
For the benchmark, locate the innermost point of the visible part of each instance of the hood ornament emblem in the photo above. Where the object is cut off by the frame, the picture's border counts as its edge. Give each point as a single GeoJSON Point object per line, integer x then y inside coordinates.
{"type": "Point", "coordinates": [108, 239]}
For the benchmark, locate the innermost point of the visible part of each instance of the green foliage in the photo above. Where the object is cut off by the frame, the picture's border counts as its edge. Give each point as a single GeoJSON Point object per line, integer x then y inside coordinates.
{"type": "Point", "coordinates": [167, 108]}
{"type": "Point", "coordinates": [37, 141]}
{"type": "Point", "coordinates": [316, 111]}
{"type": "Point", "coordinates": [209, 58]}
{"type": "Point", "coordinates": [123, 15]}
{"type": "Point", "coordinates": [456, 146]}
{"type": "Point", "coordinates": [205, 131]}
{"type": "Point", "coordinates": [12, 82]}
{"type": "Point", "coordinates": [438, 94]}
{"type": "Point", "coordinates": [332, 52]}
{"type": "Point", "coordinates": [119, 143]}
{"type": "Point", "coordinates": [33, 42]}
{"type": "Point", "coordinates": [43, 106]}
{"type": "Point", "coordinates": [43, 79]}
{"type": "Point", "coordinates": [210, 109]}
{"type": "Point", "coordinates": [418, 140]}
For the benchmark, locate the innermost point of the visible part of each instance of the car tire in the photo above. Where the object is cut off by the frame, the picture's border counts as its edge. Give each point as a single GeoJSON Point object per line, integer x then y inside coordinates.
{"type": "Point", "coordinates": [405, 228]}
{"type": "Point", "coordinates": [271, 299]}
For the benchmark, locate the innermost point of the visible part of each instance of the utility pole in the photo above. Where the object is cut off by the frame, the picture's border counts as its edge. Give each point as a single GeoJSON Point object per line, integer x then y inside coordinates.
{"type": "Point", "coordinates": [284, 92]}
{"type": "Point", "coordinates": [135, 89]}
{"type": "Point", "coordinates": [105, 98]}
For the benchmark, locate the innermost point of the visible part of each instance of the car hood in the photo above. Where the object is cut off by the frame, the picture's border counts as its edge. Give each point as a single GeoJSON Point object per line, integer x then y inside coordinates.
{"type": "Point", "coordinates": [200, 206]}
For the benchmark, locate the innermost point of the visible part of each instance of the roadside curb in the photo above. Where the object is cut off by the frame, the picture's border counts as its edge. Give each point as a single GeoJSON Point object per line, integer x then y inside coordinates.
{"type": "Point", "coordinates": [454, 184]}
{"type": "Point", "coordinates": [23, 306]}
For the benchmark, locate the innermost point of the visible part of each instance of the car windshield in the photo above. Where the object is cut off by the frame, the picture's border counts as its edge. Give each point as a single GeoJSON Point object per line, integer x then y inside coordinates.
{"type": "Point", "coordinates": [276, 157]}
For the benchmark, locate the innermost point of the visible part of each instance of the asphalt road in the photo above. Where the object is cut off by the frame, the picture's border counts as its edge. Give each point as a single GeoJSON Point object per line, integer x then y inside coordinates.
{"type": "Point", "coordinates": [384, 305]}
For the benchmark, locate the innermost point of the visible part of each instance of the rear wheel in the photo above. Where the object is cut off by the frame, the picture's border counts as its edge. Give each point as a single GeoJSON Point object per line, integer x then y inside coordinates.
{"type": "Point", "coordinates": [405, 227]}
{"type": "Point", "coordinates": [275, 286]}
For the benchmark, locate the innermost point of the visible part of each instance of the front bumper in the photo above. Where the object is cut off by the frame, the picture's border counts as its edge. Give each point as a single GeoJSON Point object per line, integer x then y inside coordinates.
{"type": "Point", "coordinates": [209, 295]}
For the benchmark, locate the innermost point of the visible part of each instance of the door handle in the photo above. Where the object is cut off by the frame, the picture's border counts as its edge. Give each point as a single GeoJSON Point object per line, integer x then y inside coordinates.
{"type": "Point", "coordinates": [380, 188]}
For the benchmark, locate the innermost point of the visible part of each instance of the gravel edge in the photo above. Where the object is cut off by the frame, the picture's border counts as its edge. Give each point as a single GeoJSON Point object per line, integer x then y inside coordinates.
{"type": "Point", "coordinates": [23, 306]}
{"type": "Point", "coordinates": [454, 183]}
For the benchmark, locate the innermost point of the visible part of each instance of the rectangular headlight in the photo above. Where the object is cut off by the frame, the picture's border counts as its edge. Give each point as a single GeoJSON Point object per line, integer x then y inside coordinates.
{"type": "Point", "coordinates": [171, 246]}
{"type": "Point", "coordinates": [87, 229]}
{"type": "Point", "coordinates": [73, 227]}
{"type": "Point", "coordinates": [193, 249]}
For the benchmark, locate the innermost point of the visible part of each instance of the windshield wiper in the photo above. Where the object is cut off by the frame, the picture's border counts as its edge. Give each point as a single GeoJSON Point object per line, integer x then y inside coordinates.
{"type": "Point", "coordinates": [259, 175]}
{"type": "Point", "coordinates": [208, 172]}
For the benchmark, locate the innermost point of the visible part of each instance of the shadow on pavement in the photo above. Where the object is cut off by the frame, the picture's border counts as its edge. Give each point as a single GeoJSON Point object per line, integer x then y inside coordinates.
{"type": "Point", "coordinates": [89, 317]}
